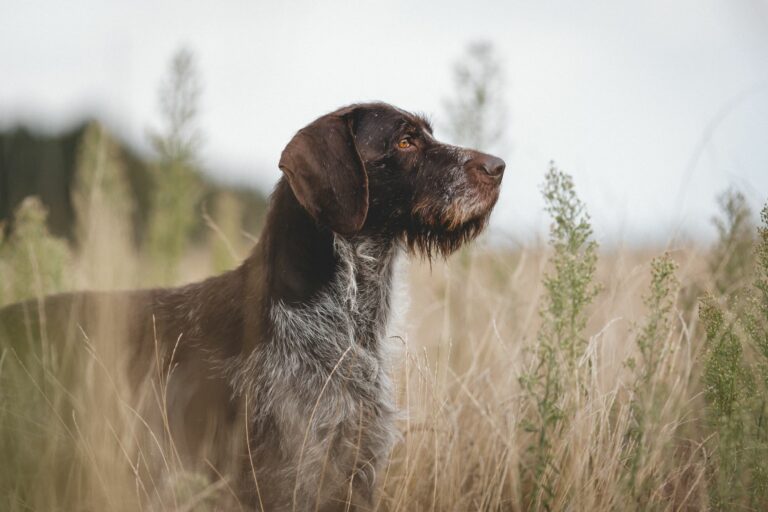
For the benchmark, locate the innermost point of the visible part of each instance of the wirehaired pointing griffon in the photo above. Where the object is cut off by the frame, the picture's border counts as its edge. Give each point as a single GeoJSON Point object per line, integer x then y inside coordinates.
{"type": "Point", "coordinates": [292, 347]}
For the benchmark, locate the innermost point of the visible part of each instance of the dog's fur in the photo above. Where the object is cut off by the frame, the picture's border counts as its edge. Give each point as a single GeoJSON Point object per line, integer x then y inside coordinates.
{"type": "Point", "coordinates": [294, 342]}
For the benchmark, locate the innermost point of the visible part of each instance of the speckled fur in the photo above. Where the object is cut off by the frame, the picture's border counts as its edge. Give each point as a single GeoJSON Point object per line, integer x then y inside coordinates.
{"type": "Point", "coordinates": [323, 386]}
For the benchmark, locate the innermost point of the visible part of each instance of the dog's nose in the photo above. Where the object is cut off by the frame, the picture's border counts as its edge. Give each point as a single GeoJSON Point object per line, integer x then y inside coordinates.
{"type": "Point", "coordinates": [488, 164]}
{"type": "Point", "coordinates": [494, 166]}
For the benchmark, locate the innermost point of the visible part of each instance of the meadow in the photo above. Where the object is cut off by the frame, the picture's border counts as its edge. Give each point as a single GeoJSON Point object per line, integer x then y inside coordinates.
{"type": "Point", "coordinates": [548, 376]}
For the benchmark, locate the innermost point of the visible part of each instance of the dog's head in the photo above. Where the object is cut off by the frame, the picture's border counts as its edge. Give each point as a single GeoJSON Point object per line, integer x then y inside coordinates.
{"type": "Point", "coordinates": [375, 169]}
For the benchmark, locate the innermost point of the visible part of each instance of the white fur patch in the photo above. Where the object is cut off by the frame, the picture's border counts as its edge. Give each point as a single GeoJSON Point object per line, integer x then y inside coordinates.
{"type": "Point", "coordinates": [323, 381]}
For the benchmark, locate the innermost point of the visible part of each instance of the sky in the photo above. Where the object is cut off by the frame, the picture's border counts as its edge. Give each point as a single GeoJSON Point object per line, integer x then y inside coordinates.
{"type": "Point", "coordinates": [654, 107]}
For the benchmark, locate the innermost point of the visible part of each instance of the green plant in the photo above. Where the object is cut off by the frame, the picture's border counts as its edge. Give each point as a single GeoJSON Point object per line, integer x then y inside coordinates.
{"type": "Point", "coordinates": [570, 289]}
{"type": "Point", "coordinates": [731, 259]}
{"type": "Point", "coordinates": [735, 380]}
{"type": "Point", "coordinates": [649, 390]}
{"type": "Point", "coordinates": [32, 262]}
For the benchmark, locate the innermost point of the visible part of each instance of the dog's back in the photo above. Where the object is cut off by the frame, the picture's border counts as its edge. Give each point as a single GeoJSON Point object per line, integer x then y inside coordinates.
{"type": "Point", "coordinates": [58, 330]}
{"type": "Point", "coordinates": [135, 351]}
{"type": "Point", "coordinates": [52, 351]}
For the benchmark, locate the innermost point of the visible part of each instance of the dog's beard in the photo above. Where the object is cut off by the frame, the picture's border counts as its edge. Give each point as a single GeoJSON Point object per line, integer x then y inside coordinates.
{"type": "Point", "coordinates": [441, 229]}
{"type": "Point", "coordinates": [430, 239]}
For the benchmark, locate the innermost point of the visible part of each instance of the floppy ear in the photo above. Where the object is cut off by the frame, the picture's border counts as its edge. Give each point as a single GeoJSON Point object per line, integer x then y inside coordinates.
{"type": "Point", "coordinates": [326, 173]}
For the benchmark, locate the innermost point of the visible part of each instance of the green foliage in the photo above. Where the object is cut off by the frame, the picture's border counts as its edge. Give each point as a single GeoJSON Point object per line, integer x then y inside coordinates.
{"type": "Point", "coordinates": [760, 298]}
{"type": "Point", "coordinates": [570, 289]}
{"type": "Point", "coordinates": [660, 302]}
{"type": "Point", "coordinates": [649, 391]}
{"type": "Point", "coordinates": [731, 260]}
{"type": "Point", "coordinates": [177, 186]}
{"type": "Point", "coordinates": [32, 262]}
{"type": "Point", "coordinates": [735, 376]}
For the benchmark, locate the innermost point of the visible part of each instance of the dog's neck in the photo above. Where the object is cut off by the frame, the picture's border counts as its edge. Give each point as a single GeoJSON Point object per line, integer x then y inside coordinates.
{"type": "Point", "coordinates": [309, 266]}
{"type": "Point", "coordinates": [326, 299]}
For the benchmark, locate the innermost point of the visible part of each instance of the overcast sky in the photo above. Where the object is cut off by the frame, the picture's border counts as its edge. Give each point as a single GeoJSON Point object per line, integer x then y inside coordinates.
{"type": "Point", "coordinates": [654, 107]}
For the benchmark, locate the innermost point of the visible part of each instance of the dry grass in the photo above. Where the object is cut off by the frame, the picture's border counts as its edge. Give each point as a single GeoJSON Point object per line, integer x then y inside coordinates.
{"type": "Point", "coordinates": [629, 435]}
{"type": "Point", "coordinates": [473, 332]}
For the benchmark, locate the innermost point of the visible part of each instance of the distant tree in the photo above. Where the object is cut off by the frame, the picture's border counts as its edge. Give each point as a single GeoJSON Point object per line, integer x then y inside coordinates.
{"type": "Point", "coordinates": [179, 97]}
{"type": "Point", "coordinates": [177, 187]}
{"type": "Point", "coordinates": [477, 112]}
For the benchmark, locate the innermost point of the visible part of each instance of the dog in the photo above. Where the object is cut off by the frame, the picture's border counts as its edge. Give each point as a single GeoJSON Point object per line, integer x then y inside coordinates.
{"type": "Point", "coordinates": [281, 367]}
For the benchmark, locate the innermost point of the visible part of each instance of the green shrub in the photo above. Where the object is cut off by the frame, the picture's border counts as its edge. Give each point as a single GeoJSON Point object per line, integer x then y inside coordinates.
{"type": "Point", "coordinates": [649, 389]}
{"type": "Point", "coordinates": [570, 289]}
{"type": "Point", "coordinates": [731, 260]}
{"type": "Point", "coordinates": [735, 377]}
{"type": "Point", "coordinates": [32, 262]}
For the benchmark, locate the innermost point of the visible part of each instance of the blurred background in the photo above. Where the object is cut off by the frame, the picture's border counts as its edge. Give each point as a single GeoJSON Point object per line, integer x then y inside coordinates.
{"type": "Point", "coordinates": [654, 107]}
{"type": "Point", "coordinates": [623, 365]}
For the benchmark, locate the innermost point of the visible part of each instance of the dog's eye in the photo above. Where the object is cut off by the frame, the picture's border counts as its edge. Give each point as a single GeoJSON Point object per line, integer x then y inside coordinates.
{"type": "Point", "coordinates": [404, 143]}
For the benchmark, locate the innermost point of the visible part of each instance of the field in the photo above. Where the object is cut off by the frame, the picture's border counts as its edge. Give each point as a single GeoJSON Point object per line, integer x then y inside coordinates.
{"type": "Point", "coordinates": [555, 376]}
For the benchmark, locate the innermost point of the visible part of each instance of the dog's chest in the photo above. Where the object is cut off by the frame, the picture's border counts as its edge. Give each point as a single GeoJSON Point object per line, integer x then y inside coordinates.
{"type": "Point", "coordinates": [328, 362]}
{"type": "Point", "coordinates": [343, 330]}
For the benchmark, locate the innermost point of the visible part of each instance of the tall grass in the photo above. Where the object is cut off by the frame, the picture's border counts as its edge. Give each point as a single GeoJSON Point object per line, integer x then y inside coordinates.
{"type": "Point", "coordinates": [569, 290]}
{"type": "Point", "coordinates": [558, 377]}
{"type": "Point", "coordinates": [103, 204]}
{"type": "Point", "coordinates": [736, 379]}
{"type": "Point", "coordinates": [570, 395]}
{"type": "Point", "coordinates": [649, 392]}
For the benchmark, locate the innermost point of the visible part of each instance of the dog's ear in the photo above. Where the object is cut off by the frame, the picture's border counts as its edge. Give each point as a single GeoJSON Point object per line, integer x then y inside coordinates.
{"type": "Point", "coordinates": [326, 173]}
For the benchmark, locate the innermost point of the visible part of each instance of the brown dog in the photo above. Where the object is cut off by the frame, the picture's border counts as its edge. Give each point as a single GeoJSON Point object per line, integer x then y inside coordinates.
{"type": "Point", "coordinates": [297, 335]}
